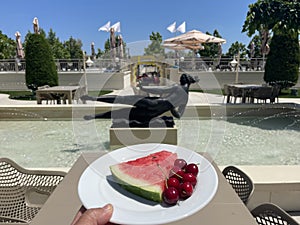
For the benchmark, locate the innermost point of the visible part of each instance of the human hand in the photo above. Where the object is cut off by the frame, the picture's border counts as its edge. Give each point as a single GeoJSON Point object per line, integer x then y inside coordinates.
{"type": "Point", "coordinates": [96, 216]}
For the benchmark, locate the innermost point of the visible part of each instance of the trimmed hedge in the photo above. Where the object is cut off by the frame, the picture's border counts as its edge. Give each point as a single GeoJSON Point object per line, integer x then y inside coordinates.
{"type": "Point", "coordinates": [282, 66]}
{"type": "Point", "coordinates": [40, 65]}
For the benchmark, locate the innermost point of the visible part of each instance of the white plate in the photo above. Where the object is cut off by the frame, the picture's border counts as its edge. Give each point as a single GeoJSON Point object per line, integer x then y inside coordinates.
{"type": "Point", "coordinates": [95, 190]}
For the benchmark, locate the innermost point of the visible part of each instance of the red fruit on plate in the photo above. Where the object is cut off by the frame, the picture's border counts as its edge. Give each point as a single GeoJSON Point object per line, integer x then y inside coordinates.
{"type": "Point", "coordinates": [181, 163]}
{"type": "Point", "coordinates": [176, 172]}
{"type": "Point", "coordinates": [192, 168]}
{"type": "Point", "coordinates": [151, 170]}
{"type": "Point", "coordinates": [186, 190]}
{"type": "Point", "coordinates": [189, 177]}
{"type": "Point", "coordinates": [173, 182]}
{"type": "Point", "coordinates": [171, 196]}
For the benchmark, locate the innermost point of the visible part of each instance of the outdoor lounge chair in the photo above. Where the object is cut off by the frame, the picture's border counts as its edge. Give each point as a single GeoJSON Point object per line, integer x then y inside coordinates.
{"type": "Point", "coordinates": [271, 214]}
{"type": "Point", "coordinates": [240, 182]}
{"type": "Point", "coordinates": [23, 192]}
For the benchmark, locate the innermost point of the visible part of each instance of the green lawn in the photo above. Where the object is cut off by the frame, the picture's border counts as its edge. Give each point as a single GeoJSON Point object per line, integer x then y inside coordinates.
{"type": "Point", "coordinates": [286, 93]}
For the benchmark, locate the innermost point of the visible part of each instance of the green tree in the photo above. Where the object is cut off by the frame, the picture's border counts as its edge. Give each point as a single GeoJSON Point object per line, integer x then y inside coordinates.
{"type": "Point", "coordinates": [42, 33]}
{"type": "Point", "coordinates": [236, 48]}
{"type": "Point", "coordinates": [283, 48]}
{"type": "Point", "coordinates": [155, 47]}
{"type": "Point", "coordinates": [256, 40]}
{"type": "Point", "coordinates": [282, 17]}
{"type": "Point", "coordinates": [99, 53]}
{"type": "Point", "coordinates": [210, 49]}
{"type": "Point", "coordinates": [40, 65]}
{"type": "Point", "coordinates": [106, 53]}
{"type": "Point", "coordinates": [7, 47]}
{"type": "Point", "coordinates": [70, 49]}
{"type": "Point", "coordinates": [57, 48]}
{"type": "Point", "coordinates": [74, 47]}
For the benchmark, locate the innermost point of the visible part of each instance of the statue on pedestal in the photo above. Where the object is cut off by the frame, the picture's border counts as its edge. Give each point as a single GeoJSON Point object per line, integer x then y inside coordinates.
{"type": "Point", "coordinates": [145, 110]}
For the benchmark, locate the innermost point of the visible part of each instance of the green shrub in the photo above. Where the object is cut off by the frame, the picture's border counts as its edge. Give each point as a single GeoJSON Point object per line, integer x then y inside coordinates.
{"type": "Point", "coordinates": [282, 66]}
{"type": "Point", "coordinates": [40, 65]}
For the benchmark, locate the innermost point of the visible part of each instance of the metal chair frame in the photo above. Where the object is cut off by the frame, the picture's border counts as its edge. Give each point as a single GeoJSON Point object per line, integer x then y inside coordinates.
{"type": "Point", "coordinates": [271, 214]}
{"type": "Point", "coordinates": [240, 182]}
{"type": "Point", "coordinates": [23, 192]}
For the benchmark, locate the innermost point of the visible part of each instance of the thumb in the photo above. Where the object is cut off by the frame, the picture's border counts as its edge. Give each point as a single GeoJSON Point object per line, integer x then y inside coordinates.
{"type": "Point", "coordinates": [96, 216]}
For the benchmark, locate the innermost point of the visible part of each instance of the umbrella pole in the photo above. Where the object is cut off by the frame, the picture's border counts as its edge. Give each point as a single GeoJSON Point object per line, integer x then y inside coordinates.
{"type": "Point", "coordinates": [194, 61]}
{"type": "Point", "coordinates": [263, 65]}
{"type": "Point", "coordinates": [237, 68]}
{"type": "Point", "coordinates": [84, 74]}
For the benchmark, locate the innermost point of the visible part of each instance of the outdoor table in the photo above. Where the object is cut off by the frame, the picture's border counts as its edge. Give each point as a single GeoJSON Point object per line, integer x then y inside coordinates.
{"type": "Point", "coordinates": [66, 91]}
{"type": "Point", "coordinates": [243, 89]}
{"type": "Point", "coordinates": [63, 204]}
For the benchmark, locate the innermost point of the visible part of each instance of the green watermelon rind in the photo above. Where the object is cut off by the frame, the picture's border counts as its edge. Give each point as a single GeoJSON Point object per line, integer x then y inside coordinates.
{"type": "Point", "coordinates": [151, 192]}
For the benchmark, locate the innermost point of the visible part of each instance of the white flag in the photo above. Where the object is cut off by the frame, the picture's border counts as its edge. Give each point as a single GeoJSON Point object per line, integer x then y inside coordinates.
{"type": "Point", "coordinates": [106, 27]}
{"type": "Point", "coordinates": [181, 28]}
{"type": "Point", "coordinates": [117, 27]}
{"type": "Point", "coordinates": [172, 27]}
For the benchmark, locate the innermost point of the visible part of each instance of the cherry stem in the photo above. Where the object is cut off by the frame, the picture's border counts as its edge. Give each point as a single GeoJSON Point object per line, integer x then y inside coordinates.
{"type": "Point", "coordinates": [176, 174]}
{"type": "Point", "coordinates": [166, 178]}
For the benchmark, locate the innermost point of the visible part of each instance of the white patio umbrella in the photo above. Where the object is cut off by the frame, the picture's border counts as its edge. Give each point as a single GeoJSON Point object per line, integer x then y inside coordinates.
{"type": "Point", "coordinates": [265, 48]}
{"type": "Point", "coordinates": [120, 46]}
{"type": "Point", "coordinates": [178, 47]}
{"type": "Point", "coordinates": [20, 51]}
{"type": "Point", "coordinates": [183, 47]}
{"type": "Point", "coordinates": [93, 52]}
{"type": "Point", "coordinates": [36, 27]}
{"type": "Point", "coordinates": [112, 42]}
{"type": "Point", "coordinates": [194, 37]}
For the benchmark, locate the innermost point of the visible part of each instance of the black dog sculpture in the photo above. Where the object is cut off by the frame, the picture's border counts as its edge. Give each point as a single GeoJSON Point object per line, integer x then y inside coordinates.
{"type": "Point", "coordinates": [145, 111]}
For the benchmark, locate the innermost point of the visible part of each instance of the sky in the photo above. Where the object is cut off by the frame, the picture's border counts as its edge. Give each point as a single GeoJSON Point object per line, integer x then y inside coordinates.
{"type": "Point", "coordinates": [138, 18]}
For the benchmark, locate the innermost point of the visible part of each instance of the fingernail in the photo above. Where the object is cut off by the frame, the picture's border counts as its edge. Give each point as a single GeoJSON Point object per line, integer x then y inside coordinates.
{"type": "Point", "coordinates": [108, 207]}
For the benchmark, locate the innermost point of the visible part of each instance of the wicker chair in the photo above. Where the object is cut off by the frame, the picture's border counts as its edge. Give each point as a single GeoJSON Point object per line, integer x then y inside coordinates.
{"type": "Point", "coordinates": [240, 182]}
{"type": "Point", "coordinates": [271, 214]}
{"type": "Point", "coordinates": [23, 192]}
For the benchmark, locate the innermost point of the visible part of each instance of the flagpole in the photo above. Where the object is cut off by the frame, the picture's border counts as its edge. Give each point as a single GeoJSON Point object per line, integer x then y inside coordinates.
{"type": "Point", "coordinates": [176, 51]}
{"type": "Point", "coordinates": [172, 28]}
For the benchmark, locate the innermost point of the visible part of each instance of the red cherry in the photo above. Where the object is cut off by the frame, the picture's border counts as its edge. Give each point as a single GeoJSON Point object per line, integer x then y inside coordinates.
{"type": "Point", "coordinates": [176, 172]}
{"type": "Point", "coordinates": [171, 196]}
{"type": "Point", "coordinates": [192, 168]}
{"type": "Point", "coordinates": [181, 163]}
{"type": "Point", "coordinates": [173, 182]}
{"type": "Point", "coordinates": [189, 177]}
{"type": "Point", "coordinates": [186, 190]}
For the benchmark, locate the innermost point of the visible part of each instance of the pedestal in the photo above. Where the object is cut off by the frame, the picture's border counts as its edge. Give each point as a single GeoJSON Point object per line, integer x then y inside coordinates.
{"type": "Point", "coordinates": [120, 137]}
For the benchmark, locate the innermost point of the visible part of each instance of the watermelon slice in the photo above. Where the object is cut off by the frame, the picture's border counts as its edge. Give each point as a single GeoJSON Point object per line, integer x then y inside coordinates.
{"type": "Point", "coordinates": [145, 176]}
